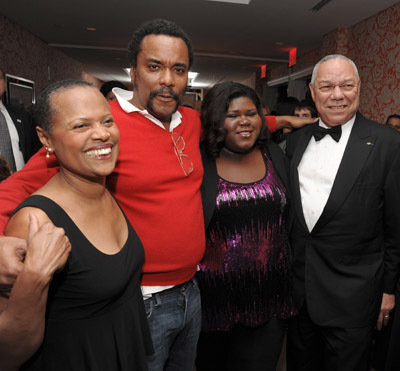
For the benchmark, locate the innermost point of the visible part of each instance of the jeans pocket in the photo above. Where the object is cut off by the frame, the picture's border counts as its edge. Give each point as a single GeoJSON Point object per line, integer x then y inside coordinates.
{"type": "Point", "coordinates": [195, 284]}
{"type": "Point", "coordinates": [149, 306]}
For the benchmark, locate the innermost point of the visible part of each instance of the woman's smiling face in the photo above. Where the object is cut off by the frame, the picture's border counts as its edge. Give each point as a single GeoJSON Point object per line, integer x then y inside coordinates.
{"type": "Point", "coordinates": [84, 136]}
{"type": "Point", "coordinates": [243, 125]}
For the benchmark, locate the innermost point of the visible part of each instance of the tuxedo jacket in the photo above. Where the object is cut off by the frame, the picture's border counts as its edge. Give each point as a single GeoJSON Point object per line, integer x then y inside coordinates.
{"type": "Point", "coordinates": [28, 140]}
{"type": "Point", "coordinates": [352, 255]}
{"type": "Point", "coordinates": [209, 186]}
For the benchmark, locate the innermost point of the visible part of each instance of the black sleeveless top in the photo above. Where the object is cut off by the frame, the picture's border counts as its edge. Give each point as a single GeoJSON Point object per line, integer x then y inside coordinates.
{"type": "Point", "coordinates": [95, 317]}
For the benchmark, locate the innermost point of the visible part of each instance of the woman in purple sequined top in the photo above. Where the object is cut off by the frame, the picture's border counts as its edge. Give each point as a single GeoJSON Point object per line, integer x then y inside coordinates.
{"type": "Point", "coordinates": [244, 275]}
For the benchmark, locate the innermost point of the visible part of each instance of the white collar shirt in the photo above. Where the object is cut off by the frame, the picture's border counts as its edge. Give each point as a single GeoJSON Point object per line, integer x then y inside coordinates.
{"type": "Point", "coordinates": [124, 97]}
{"type": "Point", "coordinates": [317, 171]}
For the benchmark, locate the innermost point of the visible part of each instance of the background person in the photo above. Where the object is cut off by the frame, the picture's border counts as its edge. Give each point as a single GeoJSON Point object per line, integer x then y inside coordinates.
{"type": "Point", "coordinates": [106, 89]}
{"type": "Point", "coordinates": [305, 109]}
{"type": "Point", "coordinates": [244, 275]}
{"type": "Point", "coordinates": [393, 121]}
{"type": "Point", "coordinates": [95, 317]}
{"type": "Point", "coordinates": [18, 139]}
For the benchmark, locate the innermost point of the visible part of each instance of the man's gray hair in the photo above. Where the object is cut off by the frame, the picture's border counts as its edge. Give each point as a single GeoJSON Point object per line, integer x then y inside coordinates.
{"type": "Point", "coordinates": [329, 58]}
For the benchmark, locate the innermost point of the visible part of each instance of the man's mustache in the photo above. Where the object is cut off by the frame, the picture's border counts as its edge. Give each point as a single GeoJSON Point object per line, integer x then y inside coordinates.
{"type": "Point", "coordinates": [166, 91]}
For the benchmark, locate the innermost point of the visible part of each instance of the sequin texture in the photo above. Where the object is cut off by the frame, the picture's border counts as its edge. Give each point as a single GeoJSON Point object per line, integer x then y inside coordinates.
{"type": "Point", "coordinates": [244, 275]}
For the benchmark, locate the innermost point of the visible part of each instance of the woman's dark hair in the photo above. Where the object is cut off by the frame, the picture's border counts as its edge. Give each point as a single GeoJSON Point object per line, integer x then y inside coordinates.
{"type": "Point", "coordinates": [157, 27]}
{"type": "Point", "coordinates": [213, 113]}
{"type": "Point", "coordinates": [43, 111]}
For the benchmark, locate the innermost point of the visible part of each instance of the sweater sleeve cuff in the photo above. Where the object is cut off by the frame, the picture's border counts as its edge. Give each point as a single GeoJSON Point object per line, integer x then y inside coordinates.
{"type": "Point", "coordinates": [271, 123]}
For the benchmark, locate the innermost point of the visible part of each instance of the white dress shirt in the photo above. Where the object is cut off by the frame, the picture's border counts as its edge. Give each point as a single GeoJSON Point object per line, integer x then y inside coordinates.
{"type": "Point", "coordinates": [317, 171]}
{"type": "Point", "coordinates": [18, 155]}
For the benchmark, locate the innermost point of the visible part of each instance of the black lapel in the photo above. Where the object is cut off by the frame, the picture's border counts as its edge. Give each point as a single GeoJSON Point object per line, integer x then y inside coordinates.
{"type": "Point", "coordinates": [358, 149]}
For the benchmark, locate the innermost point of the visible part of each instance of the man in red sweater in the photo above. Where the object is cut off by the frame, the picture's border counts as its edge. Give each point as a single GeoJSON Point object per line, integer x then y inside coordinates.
{"type": "Point", "coordinates": [157, 182]}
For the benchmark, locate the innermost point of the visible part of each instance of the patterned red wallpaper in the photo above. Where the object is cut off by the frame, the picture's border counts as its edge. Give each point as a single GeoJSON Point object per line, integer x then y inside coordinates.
{"type": "Point", "coordinates": [374, 45]}
{"type": "Point", "coordinates": [375, 48]}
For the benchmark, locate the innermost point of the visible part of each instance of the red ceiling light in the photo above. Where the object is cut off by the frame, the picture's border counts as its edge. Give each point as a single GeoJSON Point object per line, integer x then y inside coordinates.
{"type": "Point", "coordinates": [292, 56]}
{"type": "Point", "coordinates": [263, 71]}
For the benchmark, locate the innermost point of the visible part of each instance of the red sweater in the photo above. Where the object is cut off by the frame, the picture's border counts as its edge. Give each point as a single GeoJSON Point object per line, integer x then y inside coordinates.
{"type": "Point", "coordinates": [163, 205]}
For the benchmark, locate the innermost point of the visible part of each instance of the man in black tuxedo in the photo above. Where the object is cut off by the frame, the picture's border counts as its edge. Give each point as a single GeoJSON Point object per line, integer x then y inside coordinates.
{"type": "Point", "coordinates": [18, 138]}
{"type": "Point", "coordinates": [346, 237]}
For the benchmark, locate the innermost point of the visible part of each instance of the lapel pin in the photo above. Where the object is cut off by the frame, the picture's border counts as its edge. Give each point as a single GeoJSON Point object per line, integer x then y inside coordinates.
{"type": "Point", "coordinates": [18, 120]}
{"type": "Point", "coordinates": [370, 144]}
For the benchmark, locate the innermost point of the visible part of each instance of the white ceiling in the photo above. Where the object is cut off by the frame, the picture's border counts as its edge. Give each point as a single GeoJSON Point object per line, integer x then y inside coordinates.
{"type": "Point", "coordinates": [230, 40]}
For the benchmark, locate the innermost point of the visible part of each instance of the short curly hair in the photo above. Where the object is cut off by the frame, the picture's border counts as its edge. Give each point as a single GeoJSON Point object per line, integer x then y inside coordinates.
{"type": "Point", "coordinates": [157, 27]}
{"type": "Point", "coordinates": [5, 169]}
{"type": "Point", "coordinates": [213, 112]}
{"type": "Point", "coordinates": [109, 85]}
{"type": "Point", "coordinates": [43, 111]}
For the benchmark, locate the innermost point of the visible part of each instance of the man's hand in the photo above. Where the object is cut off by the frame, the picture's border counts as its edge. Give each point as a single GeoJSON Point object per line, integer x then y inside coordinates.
{"type": "Point", "coordinates": [386, 308]}
{"type": "Point", "coordinates": [22, 317]}
{"type": "Point", "coordinates": [48, 248]}
{"type": "Point", "coordinates": [12, 255]}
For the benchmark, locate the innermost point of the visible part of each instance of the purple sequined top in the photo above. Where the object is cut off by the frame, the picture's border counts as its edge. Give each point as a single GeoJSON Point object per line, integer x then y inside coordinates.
{"type": "Point", "coordinates": [244, 275]}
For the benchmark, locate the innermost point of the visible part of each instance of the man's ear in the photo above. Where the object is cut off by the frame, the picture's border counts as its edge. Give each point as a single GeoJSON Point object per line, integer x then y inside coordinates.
{"type": "Point", "coordinates": [132, 73]}
{"type": "Point", "coordinates": [311, 86]}
{"type": "Point", "coordinates": [359, 86]}
{"type": "Point", "coordinates": [44, 137]}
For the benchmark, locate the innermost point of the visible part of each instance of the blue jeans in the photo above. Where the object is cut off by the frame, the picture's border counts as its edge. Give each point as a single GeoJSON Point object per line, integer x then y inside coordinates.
{"type": "Point", "coordinates": [174, 317]}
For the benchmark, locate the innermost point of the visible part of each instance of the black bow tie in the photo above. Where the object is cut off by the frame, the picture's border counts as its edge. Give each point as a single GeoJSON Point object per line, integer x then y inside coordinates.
{"type": "Point", "coordinates": [319, 132]}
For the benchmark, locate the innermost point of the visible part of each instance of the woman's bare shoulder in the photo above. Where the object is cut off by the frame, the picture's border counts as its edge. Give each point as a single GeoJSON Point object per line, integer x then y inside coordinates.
{"type": "Point", "coordinates": [18, 224]}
